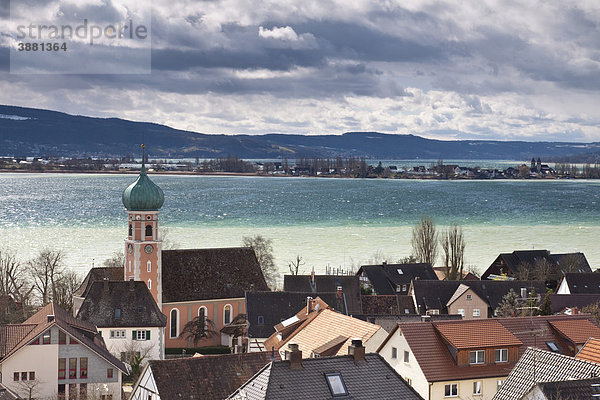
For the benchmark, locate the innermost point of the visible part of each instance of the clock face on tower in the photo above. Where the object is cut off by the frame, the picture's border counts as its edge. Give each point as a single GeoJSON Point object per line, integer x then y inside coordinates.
{"type": "Point", "coordinates": [130, 248]}
{"type": "Point", "coordinates": [148, 249]}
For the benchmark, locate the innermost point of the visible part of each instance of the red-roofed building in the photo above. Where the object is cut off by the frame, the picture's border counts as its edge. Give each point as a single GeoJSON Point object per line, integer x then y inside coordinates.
{"type": "Point", "coordinates": [75, 363]}
{"type": "Point", "coordinates": [471, 359]}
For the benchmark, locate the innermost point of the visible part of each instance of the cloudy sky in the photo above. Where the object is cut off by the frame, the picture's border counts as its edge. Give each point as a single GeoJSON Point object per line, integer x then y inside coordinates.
{"type": "Point", "coordinates": [485, 69]}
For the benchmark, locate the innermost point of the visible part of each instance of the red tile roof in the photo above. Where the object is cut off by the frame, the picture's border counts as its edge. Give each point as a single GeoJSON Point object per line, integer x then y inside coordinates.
{"type": "Point", "coordinates": [576, 333]}
{"type": "Point", "coordinates": [590, 351]}
{"type": "Point", "coordinates": [476, 334]}
{"type": "Point", "coordinates": [435, 360]}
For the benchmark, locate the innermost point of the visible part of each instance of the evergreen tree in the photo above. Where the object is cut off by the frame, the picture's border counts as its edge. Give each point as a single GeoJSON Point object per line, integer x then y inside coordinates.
{"type": "Point", "coordinates": [546, 308]}
{"type": "Point", "coordinates": [509, 306]}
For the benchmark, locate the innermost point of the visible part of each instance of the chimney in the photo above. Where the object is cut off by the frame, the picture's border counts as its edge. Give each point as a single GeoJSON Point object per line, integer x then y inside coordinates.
{"type": "Point", "coordinates": [523, 293]}
{"type": "Point", "coordinates": [294, 356]}
{"type": "Point", "coordinates": [105, 280]}
{"type": "Point", "coordinates": [356, 350]}
{"type": "Point", "coordinates": [340, 292]}
{"type": "Point", "coordinates": [50, 318]}
{"type": "Point", "coordinates": [309, 304]}
{"type": "Point", "coordinates": [312, 276]}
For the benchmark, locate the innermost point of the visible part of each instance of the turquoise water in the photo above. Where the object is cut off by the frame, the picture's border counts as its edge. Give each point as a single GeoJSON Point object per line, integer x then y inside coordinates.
{"type": "Point", "coordinates": [341, 222]}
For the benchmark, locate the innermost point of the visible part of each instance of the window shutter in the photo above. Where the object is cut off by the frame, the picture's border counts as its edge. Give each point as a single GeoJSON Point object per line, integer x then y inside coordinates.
{"type": "Point", "coordinates": [147, 335]}
{"type": "Point", "coordinates": [133, 335]}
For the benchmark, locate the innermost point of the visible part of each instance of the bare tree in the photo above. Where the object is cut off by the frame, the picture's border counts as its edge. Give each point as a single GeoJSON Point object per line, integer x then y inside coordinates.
{"type": "Point", "coordinates": [116, 260]}
{"type": "Point", "coordinates": [295, 265]}
{"type": "Point", "coordinates": [45, 271]}
{"type": "Point", "coordinates": [28, 389]}
{"type": "Point", "coordinates": [263, 248]}
{"type": "Point", "coordinates": [66, 285]}
{"type": "Point", "coordinates": [453, 245]}
{"type": "Point", "coordinates": [199, 328]}
{"type": "Point", "coordinates": [425, 241]}
{"type": "Point", "coordinates": [571, 262]}
{"type": "Point", "coordinates": [14, 282]}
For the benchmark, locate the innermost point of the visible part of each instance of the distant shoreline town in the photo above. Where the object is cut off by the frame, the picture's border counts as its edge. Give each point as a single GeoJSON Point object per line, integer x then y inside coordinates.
{"type": "Point", "coordinates": [303, 167]}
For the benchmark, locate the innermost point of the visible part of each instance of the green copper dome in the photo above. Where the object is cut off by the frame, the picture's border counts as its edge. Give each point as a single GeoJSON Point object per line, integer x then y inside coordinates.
{"type": "Point", "coordinates": [143, 194]}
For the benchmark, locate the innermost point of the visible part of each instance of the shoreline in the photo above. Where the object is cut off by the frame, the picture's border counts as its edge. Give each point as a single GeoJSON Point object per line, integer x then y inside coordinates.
{"type": "Point", "coordinates": [261, 175]}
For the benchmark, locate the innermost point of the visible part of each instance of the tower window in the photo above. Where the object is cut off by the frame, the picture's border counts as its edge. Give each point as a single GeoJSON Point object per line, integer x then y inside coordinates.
{"type": "Point", "coordinates": [130, 230]}
{"type": "Point", "coordinates": [149, 266]}
{"type": "Point", "coordinates": [148, 230]}
{"type": "Point", "coordinates": [149, 284]}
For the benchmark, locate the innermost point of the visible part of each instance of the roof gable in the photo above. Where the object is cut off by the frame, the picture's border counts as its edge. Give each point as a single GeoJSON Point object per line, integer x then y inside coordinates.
{"type": "Point", "coordinates": [385, 277]}
{"type": "Point", "coordinates": [204, 274]}
{"type": "Point", "coordinates": [476, 334]}
{"type": "Point", "coordinates": [583, 282]}
{"type": "Point", "coordinates": [327, 284]}
{"type": "Point", "coordinates": [138, 308]}
{"type": "Point", "coordinates": [206, 377]}
{"type": "Point", "coordinates": [373, 379]}
{"type": "Point", "coordinates": [547, 367]}
{"type": "Point", "coordinates": [590, 351]}
{"type": "Point", "coordinates": [98, 274]}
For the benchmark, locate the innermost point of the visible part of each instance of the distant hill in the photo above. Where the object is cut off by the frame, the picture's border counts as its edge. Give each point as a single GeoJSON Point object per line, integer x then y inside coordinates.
{"type": "Point", "coordinates": [35, 132]}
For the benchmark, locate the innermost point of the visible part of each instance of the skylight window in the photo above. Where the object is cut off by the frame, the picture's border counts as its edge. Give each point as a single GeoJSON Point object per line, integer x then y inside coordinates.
{"type": "Point", "coordinates": [336, 384]}
{"type": "Point", "coordinates": [553, 347]}
{"type": "Point", "coordinates": [400, 271]}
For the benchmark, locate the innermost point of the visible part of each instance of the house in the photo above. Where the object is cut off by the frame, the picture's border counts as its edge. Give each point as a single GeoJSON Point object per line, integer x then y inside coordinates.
{"type": "Point", "coordinates": [320, 331]}
{"type": "Point", "coordinates": [386, 304]}
{"type": "Point", "coordinates": [472, 358]}
{"type": "Point", "coordinates": [267, 309]}
{"type": "Point", "coordinates": [75, 363]}
{"type": "Point", "coordinates": [354, 376]}
{"type": "Point", "coordinates": [393, 278]}
{"type": "Point", "coordinates": [205, 377]}
{"type": "Point", "coordinates": [567, 389]}
{"type": "Point", "coordinates": [446, 297]}
{"type": "Point", "coordinates": [508, 264]}
{"type": "Point", "coordinates": [349, 286]}
{"type": "Point", "coordinates": [95, 274]}
{"type": "Point", "coordinates": [579, 283]}
{"type": "Point", "coordinates": [571, 303]}
{"type": "Point", "coordinates": [127, 318]}
{"type": "Point", "coordinates": [537, 366]}
{"type": "Point", "coordinates": [441, 274]}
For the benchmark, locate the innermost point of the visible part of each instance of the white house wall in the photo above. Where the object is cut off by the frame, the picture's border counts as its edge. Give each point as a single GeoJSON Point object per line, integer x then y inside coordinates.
{"type": "Point", "coordinates": [146, 387]}
{"type": "Point", "coordinates": [155, 346]}
{"type": "Point", "coordinates": [409, 371]}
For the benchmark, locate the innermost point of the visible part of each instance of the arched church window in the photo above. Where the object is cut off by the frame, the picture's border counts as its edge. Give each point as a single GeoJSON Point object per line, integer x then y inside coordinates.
{"type": "Point", "coordinates": [174, 323]}
{"type": "Point", "coordinates": [148, 230]}
{"type": "Point", "coordinates": [202, 318]}
{"type": "Point", "coordinates": [227, 314]}
{"type": "Point", "coordinates": [130, 230]}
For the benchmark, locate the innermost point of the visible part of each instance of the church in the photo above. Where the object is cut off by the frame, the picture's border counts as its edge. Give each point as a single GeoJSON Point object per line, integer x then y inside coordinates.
{"type": "Point", "coordinates": [208, 284]}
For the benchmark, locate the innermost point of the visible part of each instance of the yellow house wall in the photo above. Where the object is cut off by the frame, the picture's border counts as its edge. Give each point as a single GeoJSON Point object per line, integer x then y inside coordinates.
{"type": "Point", "coordinates": [465, 389]}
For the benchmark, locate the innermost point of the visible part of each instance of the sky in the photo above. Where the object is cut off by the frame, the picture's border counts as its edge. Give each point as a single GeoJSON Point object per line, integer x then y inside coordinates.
{"type": "Point", "coordinates": [484, 69]}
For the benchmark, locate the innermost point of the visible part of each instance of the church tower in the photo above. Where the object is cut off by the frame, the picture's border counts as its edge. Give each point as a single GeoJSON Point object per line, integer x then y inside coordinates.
{"type": "Point", "coordinates": [142, 200]}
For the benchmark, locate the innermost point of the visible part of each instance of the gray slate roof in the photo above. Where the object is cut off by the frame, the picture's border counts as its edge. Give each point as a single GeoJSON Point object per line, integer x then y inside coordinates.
{"type": "Point", "coordinates": [138, 308]}
{"type": "Point", "coordinates": [386, 277]}
{"type": "Point", "coordinates": [98, 274]}
{"type": "Point", "coordinates": [275, 307]}
{"type": "Point", "coordinates": [559, 302]}
{"type": "Point", "coordinates": [329, 284]}
{"type": "Point", "coordinates": [435, 294]}
{"type": "Point", "coordinates": [571, 390]}
{"type": "Point", "coordinates": [580, 283]}
{"type": "Point", "coordinates": [543, 366]}
{"type": "Point", "coordinates": [373, 379]}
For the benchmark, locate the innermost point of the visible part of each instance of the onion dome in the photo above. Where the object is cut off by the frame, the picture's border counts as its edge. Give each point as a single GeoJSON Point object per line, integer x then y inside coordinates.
{"type": "Point", "coordinates": [143, 194]}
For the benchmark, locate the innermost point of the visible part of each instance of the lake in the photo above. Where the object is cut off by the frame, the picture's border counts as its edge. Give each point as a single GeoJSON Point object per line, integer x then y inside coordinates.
{"type": "Point", "coordinates": [335, 222]}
